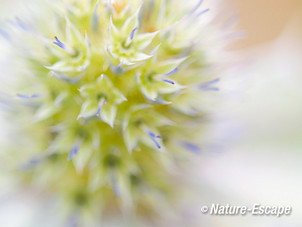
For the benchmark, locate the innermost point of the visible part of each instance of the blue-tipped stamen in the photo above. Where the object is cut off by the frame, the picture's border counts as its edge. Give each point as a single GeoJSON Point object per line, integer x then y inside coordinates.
{"type": "Point", "coordinates": [28, 96]}
{"type": "Point", "coordinates": [22, 25]}
{"type": "Point", "coordinates": [172, 72]}
{"type": "Point", "coordinates": [102, 102]}
{"type": "Point", "coordinates": [120, 66]}
{"type": "Point", "coordinates": [73, 151]}
{"type": "Point", "coordinates": [4, 34]}
{"type": "Point", "coordinates": [69, 80]}
{"type": "Point", "coordinates": [191, 147]}
{"type": "Point", "coordinates": [67, 48]}
{"type": "Point", "coordinates": [117, 69]}
{"type": "Point", "coordinates": [168, 81]}
{"type": "Point", "coordinates": [208, 85]}
{"type": "Point", "coordinates": [202, 12]}
{"type": "Point", "coordinates": [59, 43]}
{"type": "Point", "coordinates": [131, 36]}
{"type": "Point", "coordinates": [197, 6]}
{"type": "Point", "coordinates": [34, 162]}
{"type": "Point", "coordinates": [99, 111]}
{"type": "Point", "coordinates": [154, 137]}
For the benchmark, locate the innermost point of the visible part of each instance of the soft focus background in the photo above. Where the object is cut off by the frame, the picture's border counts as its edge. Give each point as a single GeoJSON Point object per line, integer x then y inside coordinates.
{"type": "Point", "coordinates": [263, 164]}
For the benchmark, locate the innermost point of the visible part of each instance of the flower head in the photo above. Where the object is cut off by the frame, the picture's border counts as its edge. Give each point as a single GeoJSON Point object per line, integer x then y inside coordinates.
{"type": "Point", "coordinates": [109, 97]}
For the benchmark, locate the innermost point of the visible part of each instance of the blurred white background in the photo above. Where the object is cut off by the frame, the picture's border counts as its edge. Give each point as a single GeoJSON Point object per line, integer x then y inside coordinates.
{"type": "Point", "coordinates": [264, 164]}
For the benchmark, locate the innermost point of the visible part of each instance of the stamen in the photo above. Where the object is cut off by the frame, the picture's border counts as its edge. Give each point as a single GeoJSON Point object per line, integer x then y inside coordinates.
{"type": "Point", "coordinates": [22, 25]}
{"type": "Point", "coordinates": [207, 86]}
{"type": "Point", "coordinates": [115, 187]}
{"type": "Point", "coordinates": [110, 52]}
{"type": "Point", "coordinates": [67, 48]}
{"type": "Point", "coordinates": [59, 43]}
{"type": "Point", "coordinates": [191, 147]}
{"type": "Point", "coordinates": [28, 96]}
{"type": "Point", "coordinates": [4, 34]}
{"type": "Point", "coordinates": [73, 151]}
{"type": "Point", "coordinates": [31, 164]}
{"type": "Point", "coordinates": [168, 81]}
{"type": "Point", "coordinates": [197, 6]}
{"type": "Point", "coordinates": [131, 36]}
{"type": "Point", "coordinates": [172, 72]}
{"type": "Point", "coordinates": [154, 137]}
{"type": "Point", "coordinates": [69, 80]}
{"type": "Point", "coordinates": [99, 111]}
{"type": "Point", "coordinates": [202, 12]}
{"type": "Point", "coordinates": [118, 69]}
{"type": "Point", "coordinates": [101, 103]}
{"type": "Point", "coordinates": [132, 33]}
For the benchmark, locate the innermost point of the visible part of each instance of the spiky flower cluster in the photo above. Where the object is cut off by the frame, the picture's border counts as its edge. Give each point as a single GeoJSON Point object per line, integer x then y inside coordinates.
{"type": "Point", "coordinates": [114, 99]}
